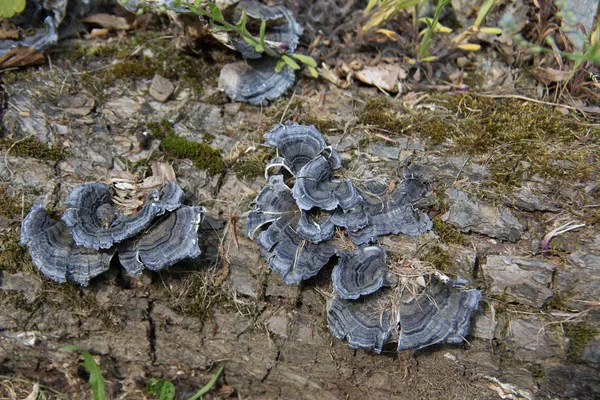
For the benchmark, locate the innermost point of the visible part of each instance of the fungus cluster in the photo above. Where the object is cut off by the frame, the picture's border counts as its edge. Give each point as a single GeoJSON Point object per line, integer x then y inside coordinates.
{"type": "Point", "coordinates": [307, 216]}
{"type": "Point", "coordinates": [80, 245]}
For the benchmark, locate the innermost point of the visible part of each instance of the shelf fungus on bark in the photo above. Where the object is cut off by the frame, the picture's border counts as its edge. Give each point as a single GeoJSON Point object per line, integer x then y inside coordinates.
{"type": "Point", "coordinates": [367, 323]}
{"type": "Point", "coordinates": [96, 224]}
{"type": "Point", "coordinates": [55, 253]}
{"type": "Point", "coordinates": [296, 217]}
{"type": "Point", "coordinates": [385, 212]}
{"type": "Point", "coordinates": [361, 272]}
{"type": "Point", "coordinates": [294, 243]}
{"type": "Point", "coordinates": [316, 187]}
{"type": "Point", "coordinates": [295, 258]}
{"type": "Point", "coordinates": [173, 238]}
{"type": "Point", "coordinates": [282, 31]}
{"type": "Point", "coordinates": [298, 145]}
{"type": "Point", "coordinates": [255, 81]}
{"type": "Point", "coordinates": [161, 234]}
{"type": "Point", "coordinates": [441, 314]}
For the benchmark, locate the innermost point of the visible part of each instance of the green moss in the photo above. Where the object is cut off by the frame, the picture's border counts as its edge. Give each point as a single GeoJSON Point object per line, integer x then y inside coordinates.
{"type": "Point", "coordinates": [200, 295]}
{"type": "Point", "coordinates": [518, 137]}
{"type": "Point", "coordinates": [129, 69]}
{"type": "Point", "coordinates": [203, 156]}
{"type": "Point", "coordinates": [438, 258]}
{"type": "Point", "coordinates": [447, 233]}
{"type": "Point", "coordinates": [379, 113]}
{"type": "Point", "coordinates": [71, 297]}
{"type": "Point", "coordinates": [579, 335]}
{"type": "Point", "coordinates": [557, 302]}
{"type": "Point", "coordinates": [161, 129]}
{"type": "Point", "coordinates": [251, 165]}
{"type": "Point", "coordinates": [536, 370]}
{"type": "Point", "coordinates": [13, 256]}
{"type": "Point", "coordinates": [323, 124]}
{"type": "Point", "coordinates": [208, 137]}
{"type": "Point", "coordinates": [218, 98]}
{"type": "Point", "coordinates": [9, 205]}
{"type": "Point", "coordinates": [33, 148]}
{"type": "Point", "coordinates": [8, 77]}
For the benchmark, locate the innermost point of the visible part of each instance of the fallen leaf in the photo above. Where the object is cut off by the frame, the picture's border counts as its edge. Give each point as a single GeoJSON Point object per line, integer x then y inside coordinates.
{"type": "Point", "coordinates": [97, 33]}
{"type": "Point", "coordinates": [163, 170]}
{"type": "Point", "coordinates": [383, 76]}
{"type": "Point", "coordinates": [108, 21]}
{"type": "Point", "coordinates": [224, 391]}
{"type": "Point", "coordinates": [21, 57]}
{"type": "Point", "coordinates": [548, 75]}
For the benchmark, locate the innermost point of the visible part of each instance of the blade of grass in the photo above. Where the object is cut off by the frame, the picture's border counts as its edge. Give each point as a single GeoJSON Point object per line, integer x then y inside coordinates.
{"type": "Point", "coordinates": [96, 380]}
{"type": "Point", "coordinates": [208, 386]}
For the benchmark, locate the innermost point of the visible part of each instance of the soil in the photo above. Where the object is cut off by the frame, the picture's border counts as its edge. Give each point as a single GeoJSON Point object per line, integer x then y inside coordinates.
{"type": "Point", "coordinates": [83, 116]}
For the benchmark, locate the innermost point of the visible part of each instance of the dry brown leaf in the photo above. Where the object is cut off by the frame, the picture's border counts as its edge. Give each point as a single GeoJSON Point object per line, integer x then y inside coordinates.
{"type": "Point", "coordinates": [549, 75]}
{"type": "Point", "coordinates": [97, 33]}
{"type": "Point", "coordinates": [383, 76]}
{"type": "Point", "coordinates": [163, 170]}
{"type": "Point", "coordinates": [21, 57]}
{"type": "Point", "coordinates": [224, 391]}
{"type": "Point", "coordinates": [109, 21]}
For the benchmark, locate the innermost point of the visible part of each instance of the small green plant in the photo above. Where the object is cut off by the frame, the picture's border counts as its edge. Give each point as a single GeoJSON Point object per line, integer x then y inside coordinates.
{"type": "Point", "coordinates": [474, 29]}
{"type": "Point", "coordinates": [383, 10]}
{"type": "Point", "coordinates": [163, 388]}
{"type": "Point", "coordinates": [218, 22]}
{"type": "Point", "coordinates": [433, 26]}
{"type": "Point", "coordinates": [96, 380]}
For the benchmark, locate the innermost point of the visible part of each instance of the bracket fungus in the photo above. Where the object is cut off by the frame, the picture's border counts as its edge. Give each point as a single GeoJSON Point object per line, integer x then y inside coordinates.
{"type": "Point", "coordinates": [297, 218]}
{"type": "Point", "coordinates": [366, 324]}
{"type": "Point", "coordinates": [55, 253]}
{"type": "Point", "coordinates": [94, 222]}
{"type": "Point", "coordinates": [385, 212]}
{"type": "Point", "coordinates": [255, 81]}
{"type": "Point", "coordinates": [441, 314]}
{"type": "Point", "coordinates": [172, 239]}
{"type": "Point", "coordinates": [145, 240]}
{"type": "Point", "coordinates": [360, 272]}
{"type": "Point", "coordinates": [298, 145]}
{"type": "Point", "coordinates": [315, 187]}
{"type": "Point", "coordinates": [294, 241]}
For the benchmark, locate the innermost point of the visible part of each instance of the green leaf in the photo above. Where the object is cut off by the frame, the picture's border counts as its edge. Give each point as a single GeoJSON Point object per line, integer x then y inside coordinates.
{"type": "Point", "coordinates": [8, 8]}
{"type": "Point", "coordinates": [163, 388]}
{"type": "Point", "coordinates": [313, 71]}
{"type": "Point", "coordinates": [96, 380]}
{"type": "Point", "coordinates": [259, 48]}
{"type": "Point", "coordinates": [484, 11]}
{"type": "Point", "coordinates": [216, 13]}
{"type": "Point", "coordinates": [208, 386]}
{"type": "Point", "coordinates": [279, 66]}
{"type": "Point", "coordinates": [263, 28]}
{"type": "Point", "coordinates": [290, 62]}
{"type": "Point", "coordinates": [370, 6]}
{"type": "Point", "coordinates": [306, 60]}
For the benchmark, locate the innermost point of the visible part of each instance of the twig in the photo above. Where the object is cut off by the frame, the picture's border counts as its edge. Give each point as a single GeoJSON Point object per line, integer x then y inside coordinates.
{"type": "Point", "coordinates": [519, 97]}
{"type": "Point", "coordinates": [287, 108]}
